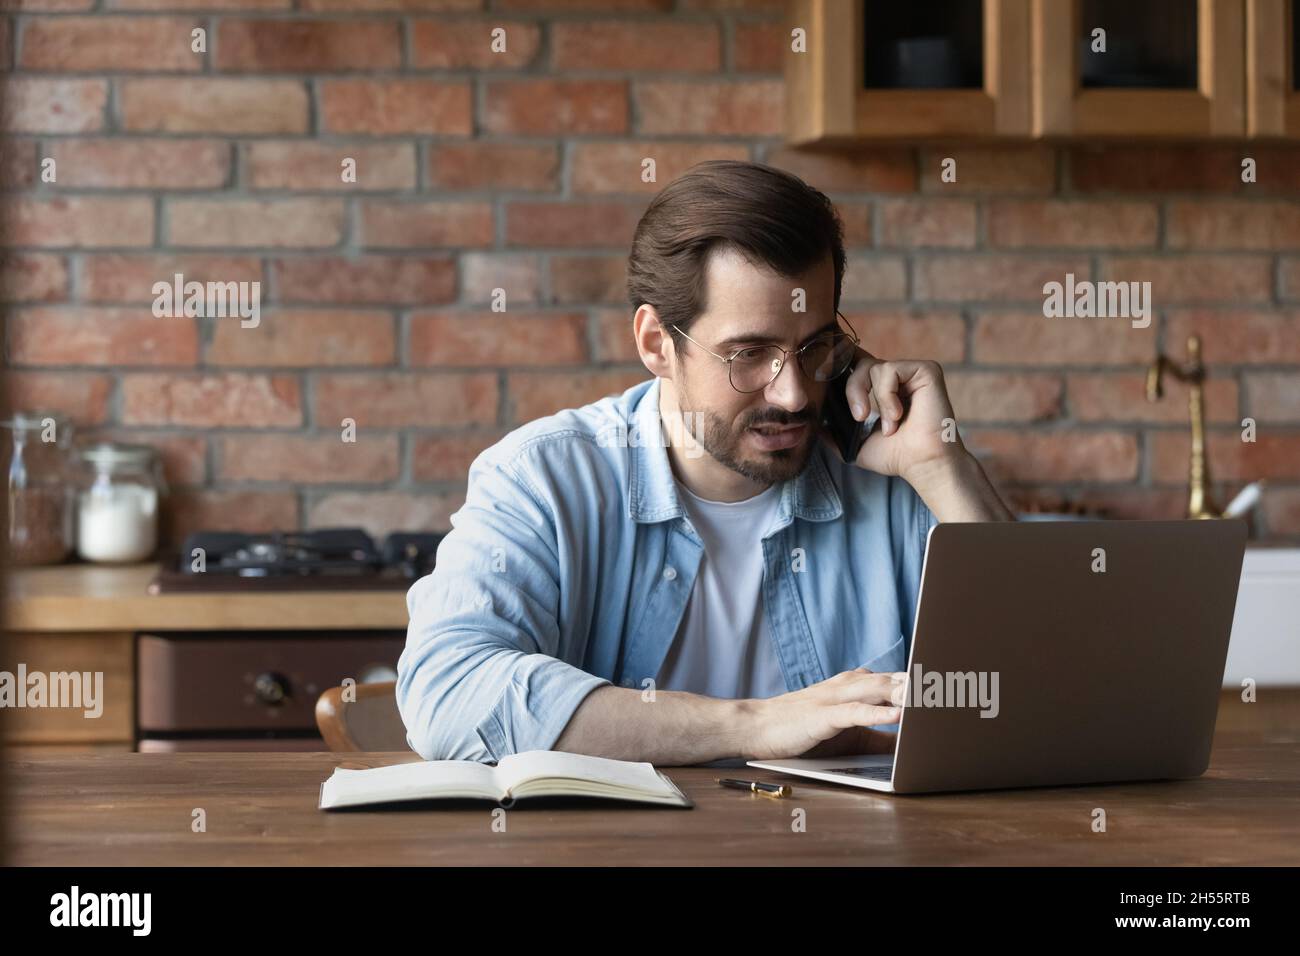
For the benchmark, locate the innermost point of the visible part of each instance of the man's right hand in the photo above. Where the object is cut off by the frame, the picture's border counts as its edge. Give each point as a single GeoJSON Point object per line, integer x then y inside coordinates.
{"type": "Point", "coordinates": [832, 714]}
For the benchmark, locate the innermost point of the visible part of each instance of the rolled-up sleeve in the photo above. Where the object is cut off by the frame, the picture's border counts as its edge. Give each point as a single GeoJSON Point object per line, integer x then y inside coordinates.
{"type": "Point", "coordinates": [479, 678]}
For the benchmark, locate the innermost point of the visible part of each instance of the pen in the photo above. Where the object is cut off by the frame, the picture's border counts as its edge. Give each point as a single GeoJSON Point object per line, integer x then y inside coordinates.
{"type": "Point", "coordinates": [756, 786]}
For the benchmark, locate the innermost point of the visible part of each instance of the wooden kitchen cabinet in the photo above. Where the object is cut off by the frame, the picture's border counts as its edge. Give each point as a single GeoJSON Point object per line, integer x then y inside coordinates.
{"type": "Point", "coordinates": [1026, 69]}
{"type": "Point", "coordinates": [1172, 68]}
{"type": "Point", "coordinates": [110, 654]}
{"type": "Point", "coordinates": [1272, 71]}
{"type": "Point", "coordinates": [878, 70]}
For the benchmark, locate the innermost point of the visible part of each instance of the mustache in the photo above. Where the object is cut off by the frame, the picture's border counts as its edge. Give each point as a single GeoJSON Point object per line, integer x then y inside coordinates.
{"type": "Point", "coordinates": [780, 418]}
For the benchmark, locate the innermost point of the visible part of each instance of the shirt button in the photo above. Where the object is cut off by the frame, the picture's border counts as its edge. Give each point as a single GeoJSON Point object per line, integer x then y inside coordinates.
{"type": "Point", "coordinates": [670, 573]}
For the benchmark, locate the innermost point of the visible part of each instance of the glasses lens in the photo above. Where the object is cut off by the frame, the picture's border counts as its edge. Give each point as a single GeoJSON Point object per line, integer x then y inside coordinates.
{"type": "Point", "coordinates": [752, 369]}
{"type": "Point", "coordinates": [827, 357]}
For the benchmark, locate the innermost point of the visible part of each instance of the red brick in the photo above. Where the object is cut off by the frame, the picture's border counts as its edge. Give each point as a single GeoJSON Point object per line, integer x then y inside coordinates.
{"type": "Point", "coordinates": [1015, 338]}
{"type": "Point", "coordinates": [694, 47]}
{"type": "Point", "coordinates": [34, 277]}
{"type": "Point", "coordinates": [600, 168]}
{"type": "Point", "coordinates": [80, 221]}
{"type": "Point", "coordinates": [1274, 455]}
{"type": "Point", "coordinates": [354, 6]}
{"type": "Point", "coordinates": [400, 280]}
{"type": "Point", "coordinates": [308, 459]}
{"type": "Point", "coordinates": [382, 512]}
{"type": "Point", "coordinates": [517, 274]}
{"type": "Point", "coordinates": [1040, 223]}
{"type": "Point", "coordinates": [453, 44]}
{"type": "Point", "coordinates": [1174, 168]}
{"type": "Point", "coordinates": [759, 47]}
{"type": "Point", "coordinates": [1230, 279]}
{"type": "Point", "coordinates": [392, 107]}
{"type": "Point", "coordinates": [319, 166]}
{"type": "Point", "coordinates": [305, 338]}
{"type": "Point", "coordinates": [1274, 396]}
{"type": "Point", "coordinates": [519, 167]}
{"type": "Point", "coordinates": [582, 279]}
{"type": "Point", "coordinates": [927, 222]}
{"type": "Point", "coordinates": [745, 6]}
{"type": "Point", "coordinates": [856, 217]}
{"type": "Point", "coordinates": [104, 43]}
{"type": "Point", "coordinates": [46, 6]}
{"type": "Point", "coordinates": [192, 510]}
{"type": "Point", "coordinates": [589, 223]}
{"type": "Point", "coordinates": [1057, 456]}
{"type": "Point", "coordinates": [6, 45]}
{"type": "Point", "coordinates": [82, 396]}
{"type": "Point", "coordinates": [204, 5]}
{"type": "Point", "coordinates": [303, 46]}
{"type": "Point", "coordinates": [397, 399]}
{"type": "Point", "coordinates": [212, 400]}
{"type": "Point", "coordinates": [18, 162]}
{"type": "Point", "coordinates": [448, 457]}
{"type": "Point", "coordinates": [140, 163]}
{"type": "Point", "coordinates": [89, 335]}
{"type": "Point", "coordinates": [882, 169]}
{"type": "Point", "coordinates": [389, 224]}
{"type": "Point", "coordinates": [909, 333]}
{"type": "Point", "coordinates": [547, 106]}
{"type": "Point", "coordinates": [708, 108]}
{"type": "Point", "coordinates": [213, 106]}
{"type": "Point", "coordinates": [990, 170]}
{"type": "Point", "coordinates": [1281, 510]}
{"type": "Point", "coordinates": [613, 340]}
{"type": "Point", "coordinates": [1003, 396]}
{"type": "Point", "coordinates": [131, 278]}
{"type": "Point", "coordinates": [251, 223]}
{"type": "Point", "coordinates": [1105, 501]}
{"type": "Point", "coordinates": [32, 105]}
{"type": "Point", "coordinates": [535, 394]}
{"type": "Point", "coordinates": [992, 276]}
{"type": "Point", "coordinates": [1236, 336]}
{"type": "Point", "coordinates": [1233, 225]}
{"type": "Point", "coordinates": [494, 339]}
{"type": "Point", "coordinates": [1121, 397]}
{"type": "Point", "coordinates": [874, 279]}
{"type": "Point", "coordinates": [1289, 270]}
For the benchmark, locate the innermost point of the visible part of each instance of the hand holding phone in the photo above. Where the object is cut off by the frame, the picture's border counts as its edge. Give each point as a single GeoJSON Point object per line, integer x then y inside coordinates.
{"type": "Point", "coordinates": [845, 431]}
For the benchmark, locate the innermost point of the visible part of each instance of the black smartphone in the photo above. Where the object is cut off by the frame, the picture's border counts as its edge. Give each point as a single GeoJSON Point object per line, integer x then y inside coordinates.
{"type": "Point", "coordinates": [845, 431]}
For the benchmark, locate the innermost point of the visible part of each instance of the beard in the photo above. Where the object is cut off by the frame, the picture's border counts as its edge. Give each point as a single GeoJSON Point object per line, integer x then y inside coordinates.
{"type": "Point", "coordinates": [725, 442]}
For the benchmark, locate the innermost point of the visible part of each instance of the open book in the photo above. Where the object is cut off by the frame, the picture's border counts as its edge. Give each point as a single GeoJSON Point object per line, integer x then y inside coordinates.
{"type": "Point", "coordinates": [536, 773]}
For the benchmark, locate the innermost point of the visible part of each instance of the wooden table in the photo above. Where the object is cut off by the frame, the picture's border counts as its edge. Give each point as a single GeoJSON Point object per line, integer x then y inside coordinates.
{"type": "Point", "coordinates": [136, 809]}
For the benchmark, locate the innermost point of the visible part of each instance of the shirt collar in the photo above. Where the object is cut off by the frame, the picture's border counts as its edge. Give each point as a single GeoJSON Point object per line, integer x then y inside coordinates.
{"type": "Point", "coordinates": [652, 489]}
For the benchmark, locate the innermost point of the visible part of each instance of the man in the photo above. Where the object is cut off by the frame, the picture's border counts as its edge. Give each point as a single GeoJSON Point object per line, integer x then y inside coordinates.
{"type": "Point", "coordinates": [688, 572]}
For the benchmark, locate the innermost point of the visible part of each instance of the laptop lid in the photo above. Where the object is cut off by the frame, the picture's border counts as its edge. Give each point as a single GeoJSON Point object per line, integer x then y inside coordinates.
{"type": "Point", "coordinates": [1093, 649]}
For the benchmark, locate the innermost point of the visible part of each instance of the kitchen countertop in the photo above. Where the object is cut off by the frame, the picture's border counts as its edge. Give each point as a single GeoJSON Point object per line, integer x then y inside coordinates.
{"type": "Point", "coordinates": [89, 597]}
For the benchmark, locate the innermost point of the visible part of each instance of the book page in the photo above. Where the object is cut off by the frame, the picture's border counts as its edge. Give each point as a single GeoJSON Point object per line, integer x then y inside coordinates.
{"type": "Point", "coordinates": [554, 764]}
{"type": "Point", "coordinates": [408, 781]}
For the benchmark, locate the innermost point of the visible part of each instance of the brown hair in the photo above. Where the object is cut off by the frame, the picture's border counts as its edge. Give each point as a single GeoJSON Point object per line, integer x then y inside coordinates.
{"type": "Point", "coordinates": [767, 214]}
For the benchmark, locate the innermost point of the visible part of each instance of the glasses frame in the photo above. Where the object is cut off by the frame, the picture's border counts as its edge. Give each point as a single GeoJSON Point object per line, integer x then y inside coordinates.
{"type": "Point", "coordinates": [846, 331]}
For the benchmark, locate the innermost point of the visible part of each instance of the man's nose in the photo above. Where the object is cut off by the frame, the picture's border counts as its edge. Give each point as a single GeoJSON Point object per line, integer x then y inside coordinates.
{"type": "Point", "coordinates": [787, 389]}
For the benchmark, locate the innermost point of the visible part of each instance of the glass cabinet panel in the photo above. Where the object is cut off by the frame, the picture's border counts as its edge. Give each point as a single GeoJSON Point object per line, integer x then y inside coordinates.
{"type": "Point", "coordinates": [1149, 44]}
{"type": "Point", "coordinates": [938, 44]}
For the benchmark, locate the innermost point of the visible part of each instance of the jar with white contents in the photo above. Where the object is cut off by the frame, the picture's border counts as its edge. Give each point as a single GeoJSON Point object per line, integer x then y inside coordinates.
{"type": "Point", "coordinates": [118, 492]}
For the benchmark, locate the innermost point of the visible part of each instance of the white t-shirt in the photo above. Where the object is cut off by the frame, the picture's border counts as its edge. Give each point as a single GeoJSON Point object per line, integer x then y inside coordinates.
{"type": "Point", "coordinates": [723, 648]}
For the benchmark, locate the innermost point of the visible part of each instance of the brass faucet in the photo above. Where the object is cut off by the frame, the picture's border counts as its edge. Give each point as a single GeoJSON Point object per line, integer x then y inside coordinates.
{"type": "Point", "coordinates": [1200, 504]}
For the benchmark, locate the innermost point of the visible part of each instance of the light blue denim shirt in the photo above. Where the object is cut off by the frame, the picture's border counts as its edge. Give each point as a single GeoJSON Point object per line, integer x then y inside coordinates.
{"type": "Point", "coordinates": [570, 564]}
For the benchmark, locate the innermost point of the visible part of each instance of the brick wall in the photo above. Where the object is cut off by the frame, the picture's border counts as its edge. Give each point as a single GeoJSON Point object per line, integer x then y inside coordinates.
{"type": "Point", "coordinates": [521, 170]}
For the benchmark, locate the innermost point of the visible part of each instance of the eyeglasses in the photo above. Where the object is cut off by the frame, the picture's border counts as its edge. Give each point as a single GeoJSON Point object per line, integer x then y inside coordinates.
{"type": "Point", "coordinates": [755, 368]}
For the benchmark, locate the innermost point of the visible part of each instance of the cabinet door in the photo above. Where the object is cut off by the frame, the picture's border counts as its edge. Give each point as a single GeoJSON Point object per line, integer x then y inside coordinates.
{"type": "Point", "coordinates": [1272, 73]}
{"type": "Point", "coordinates": [876, 69]}
{"type": "Point", "coordinates": [1171, 68]}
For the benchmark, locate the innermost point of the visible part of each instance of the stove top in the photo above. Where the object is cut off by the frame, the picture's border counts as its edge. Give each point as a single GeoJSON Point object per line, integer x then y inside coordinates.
{"type": "Point", "coordinates": [325, 559]}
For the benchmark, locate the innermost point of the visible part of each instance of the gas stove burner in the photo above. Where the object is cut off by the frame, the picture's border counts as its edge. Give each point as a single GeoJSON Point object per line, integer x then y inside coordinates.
{"type": "Point", "coordinates": [297, 560]}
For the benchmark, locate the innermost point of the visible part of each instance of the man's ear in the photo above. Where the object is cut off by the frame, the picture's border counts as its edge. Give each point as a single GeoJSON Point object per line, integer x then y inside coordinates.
{"type": "Point", "coordinates": [653, 342]}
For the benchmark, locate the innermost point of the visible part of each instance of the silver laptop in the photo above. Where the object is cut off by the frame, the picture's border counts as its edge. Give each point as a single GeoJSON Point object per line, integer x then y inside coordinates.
{"type": "Point", "coordinates": [1058, 652]}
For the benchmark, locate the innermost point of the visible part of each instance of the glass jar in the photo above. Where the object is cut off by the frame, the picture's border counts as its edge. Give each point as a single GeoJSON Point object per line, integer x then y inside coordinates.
{"type": "Point", "coordinates": [118, 491]}
{"type": "Point", "coordinates": [35, 449]}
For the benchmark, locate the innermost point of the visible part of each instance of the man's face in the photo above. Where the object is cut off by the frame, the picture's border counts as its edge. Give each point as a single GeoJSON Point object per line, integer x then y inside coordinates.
{"type": "Point", "coordinates": [767, 435]}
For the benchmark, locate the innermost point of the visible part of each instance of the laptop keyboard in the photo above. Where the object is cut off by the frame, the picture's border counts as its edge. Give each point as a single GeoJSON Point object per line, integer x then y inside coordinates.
{"type": "Point", "coordinates": [871, 773]}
